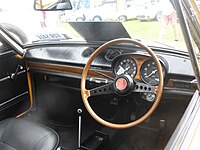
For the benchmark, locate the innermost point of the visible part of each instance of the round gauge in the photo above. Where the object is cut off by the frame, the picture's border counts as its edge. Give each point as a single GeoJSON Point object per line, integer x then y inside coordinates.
{"type": "Point", "coordinates": [125, 66]}
{"type": "Point", "coordinates": [149, 72]}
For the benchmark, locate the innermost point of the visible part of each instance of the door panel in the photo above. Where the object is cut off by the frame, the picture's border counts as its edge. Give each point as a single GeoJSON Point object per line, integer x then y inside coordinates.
{"type": "Point", "coordinates": [14, 97]}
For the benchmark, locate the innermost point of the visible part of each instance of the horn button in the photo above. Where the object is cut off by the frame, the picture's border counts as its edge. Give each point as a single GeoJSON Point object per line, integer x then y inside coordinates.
{"type": "Point", "coordinates": [121, 84]}
{"type": "Point", "coordinates": [124, 85]}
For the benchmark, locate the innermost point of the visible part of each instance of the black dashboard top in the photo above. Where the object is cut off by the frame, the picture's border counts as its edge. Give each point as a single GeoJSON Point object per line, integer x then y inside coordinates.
{"type": "Point", "coordinates": [73, 55]}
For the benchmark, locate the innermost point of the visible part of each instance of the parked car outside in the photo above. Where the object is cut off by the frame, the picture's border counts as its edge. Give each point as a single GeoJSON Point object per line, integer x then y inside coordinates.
{"type": "Point", "coordinates": [72, 15]}
{"type": "Point", "coordinates": [130, 11]}
{"type": "Point", "coordinates": [149, 10]}
{"type": "Point", "coordinates": [103, 12]}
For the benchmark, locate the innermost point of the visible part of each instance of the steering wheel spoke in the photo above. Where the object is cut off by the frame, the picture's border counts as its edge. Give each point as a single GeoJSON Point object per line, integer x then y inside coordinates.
{"type": "Point", "coordinates": [142, 87]}
{"type": "Point", "coordinates": [86, 93]}
{"type": "Point", "coordinates": [102, 90]}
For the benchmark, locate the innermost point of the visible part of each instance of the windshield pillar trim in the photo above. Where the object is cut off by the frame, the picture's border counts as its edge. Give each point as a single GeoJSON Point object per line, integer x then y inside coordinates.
{"type": "Point", "coordinates": [16, 46]}
{"type": "Point", "coordinates": [188, 41]}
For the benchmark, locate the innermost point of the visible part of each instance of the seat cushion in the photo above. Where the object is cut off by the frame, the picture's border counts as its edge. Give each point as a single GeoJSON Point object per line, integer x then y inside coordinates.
{"type": "Point", "coordinates": [20, 134]}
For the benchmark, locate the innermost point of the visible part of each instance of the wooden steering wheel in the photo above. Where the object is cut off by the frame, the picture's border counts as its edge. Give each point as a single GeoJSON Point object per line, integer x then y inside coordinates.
{"type": "Point", "coordinates": [131, 85]}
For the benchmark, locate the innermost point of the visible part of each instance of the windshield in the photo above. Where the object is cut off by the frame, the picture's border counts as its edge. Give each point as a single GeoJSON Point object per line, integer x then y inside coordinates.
{"type": "Point", "coordinates": [152, 21]}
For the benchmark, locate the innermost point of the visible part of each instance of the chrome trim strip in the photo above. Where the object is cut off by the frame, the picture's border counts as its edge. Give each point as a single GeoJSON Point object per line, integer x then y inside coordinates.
{"type": "Point", "coordinates": [21, 72]}
{"type": "Point", "coordinates": [12, 99]}
{"type": "Point", "coordinates": [14, 45]}
{"type": "Point", "coordinates": [5, 53]}
{"type": "Point", "coordinates": [8, 77]}
{"type": "Point", "coordinates": [4, 79]}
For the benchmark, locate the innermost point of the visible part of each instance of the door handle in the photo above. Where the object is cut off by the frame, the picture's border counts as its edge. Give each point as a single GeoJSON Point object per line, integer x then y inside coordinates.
{"type": "Point", "coordinates": [17, 72]}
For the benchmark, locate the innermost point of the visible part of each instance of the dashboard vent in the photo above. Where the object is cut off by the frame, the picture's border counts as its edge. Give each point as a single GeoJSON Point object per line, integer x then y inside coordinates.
{"type": "Point", "coordinates": [112, 54]}
{"type": "Point", "coordinates": [88, 52]}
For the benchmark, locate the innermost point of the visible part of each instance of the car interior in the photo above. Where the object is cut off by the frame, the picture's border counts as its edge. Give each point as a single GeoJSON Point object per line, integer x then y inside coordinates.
{"type": "Point", "coordinates": [115, 95]}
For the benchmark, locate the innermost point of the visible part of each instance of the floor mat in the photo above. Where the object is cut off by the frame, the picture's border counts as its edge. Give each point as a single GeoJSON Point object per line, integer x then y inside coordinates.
{"type": "Point", "coordinates": [135, 139]}
{"type": "Point", "coordinates": [69, 136]}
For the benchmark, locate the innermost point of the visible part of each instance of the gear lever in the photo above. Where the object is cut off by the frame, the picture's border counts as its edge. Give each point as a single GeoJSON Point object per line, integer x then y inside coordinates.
{"type": "Point", "coordinates": [79, 111]}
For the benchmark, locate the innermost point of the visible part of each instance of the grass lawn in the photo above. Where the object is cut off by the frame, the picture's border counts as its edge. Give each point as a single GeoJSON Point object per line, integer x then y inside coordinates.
{"type": "Point", "coordinates": [151, 30]}
{"type": "Point", "coordinates": [148, 29]}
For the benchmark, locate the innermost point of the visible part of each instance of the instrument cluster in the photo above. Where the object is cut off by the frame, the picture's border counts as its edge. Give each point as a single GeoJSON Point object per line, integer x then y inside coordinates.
{"type": "Point", "coordinates": [143, 69]}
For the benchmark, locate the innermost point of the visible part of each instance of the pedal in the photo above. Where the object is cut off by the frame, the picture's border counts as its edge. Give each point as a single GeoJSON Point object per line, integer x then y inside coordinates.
{"type": "Point", "coordinates": [95, 141]}
{"type": "Point", "coordinates": [162, 124]}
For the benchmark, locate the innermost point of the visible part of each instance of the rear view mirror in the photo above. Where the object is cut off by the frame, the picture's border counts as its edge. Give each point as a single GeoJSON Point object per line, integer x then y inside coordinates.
{"type": "Point", "coordinates": [52, 5]}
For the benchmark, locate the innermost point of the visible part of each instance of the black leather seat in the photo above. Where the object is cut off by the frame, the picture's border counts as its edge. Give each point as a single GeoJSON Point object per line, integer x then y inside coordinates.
{"type": "Point", "coordinates": [20, 134]}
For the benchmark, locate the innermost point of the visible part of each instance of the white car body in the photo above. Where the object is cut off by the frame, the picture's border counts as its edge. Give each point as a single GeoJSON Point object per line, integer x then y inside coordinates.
{"type": "Point", "coordinates": [148, 11]}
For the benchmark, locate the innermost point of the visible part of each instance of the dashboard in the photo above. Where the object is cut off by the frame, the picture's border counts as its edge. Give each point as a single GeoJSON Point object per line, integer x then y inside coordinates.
{"type": "Point", "coordinates": [68, 61]}
{"type": "Point", "coordinates": [124, 75]}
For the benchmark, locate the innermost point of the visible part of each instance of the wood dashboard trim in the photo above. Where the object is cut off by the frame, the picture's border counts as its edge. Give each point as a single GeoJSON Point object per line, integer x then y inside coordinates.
{"type": "Point", "coordinates": [78, 70]}
{"type": "Point", "coordinates": [139, 59]}
{"type": "Point", "coordinates": [68, 69]}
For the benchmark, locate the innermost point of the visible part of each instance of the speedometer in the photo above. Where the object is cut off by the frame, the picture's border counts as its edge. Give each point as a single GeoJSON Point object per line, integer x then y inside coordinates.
{"type": "Point", "coordinates": [125, 66]}
{"type": "Point", "coordinates": [149, 72]}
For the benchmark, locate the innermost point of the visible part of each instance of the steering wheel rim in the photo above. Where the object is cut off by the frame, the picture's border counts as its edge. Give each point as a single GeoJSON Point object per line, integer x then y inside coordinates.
{"type": "Point", "coordinates": [86, 93]}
